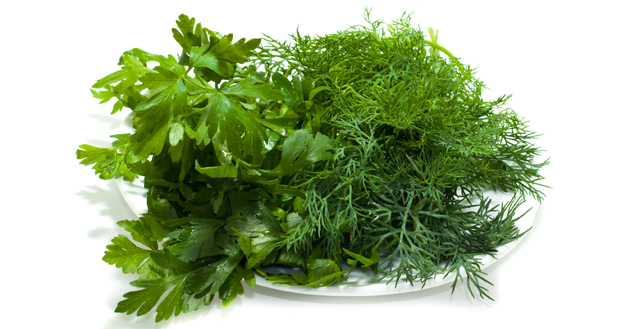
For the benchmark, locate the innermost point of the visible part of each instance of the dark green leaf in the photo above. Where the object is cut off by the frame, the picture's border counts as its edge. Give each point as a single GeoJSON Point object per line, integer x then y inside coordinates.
{"type": "Point", "coordinates": [232, 287]}
{"type": "Point", "coordinates": [144, 300]}
{"type": "Point", "coordinates": [196, 240]}
{"type": "Point", "coordinates": [139, 232]}
{"type": "Point", "coordinates": [259, 232]}
{"type": "Point", "coordinates": [167, 260]}
{"type": "Point", "coordinates": [201, 58]}
{"type": "Point", "coordinates": [212, 276]}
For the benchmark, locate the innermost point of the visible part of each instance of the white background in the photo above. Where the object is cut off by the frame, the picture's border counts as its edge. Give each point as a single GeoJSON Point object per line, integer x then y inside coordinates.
{"type": "Point", "coordinates": [572, 67]}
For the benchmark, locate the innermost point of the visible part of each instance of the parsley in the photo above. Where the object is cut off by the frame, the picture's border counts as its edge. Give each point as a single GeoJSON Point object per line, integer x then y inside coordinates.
{"type": "Point", "coordinates": [362, 148]}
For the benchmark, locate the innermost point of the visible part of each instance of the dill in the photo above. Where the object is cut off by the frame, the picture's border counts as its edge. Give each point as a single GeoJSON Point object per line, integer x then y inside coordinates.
{"type": "Point", "coordinates": [416, 143]}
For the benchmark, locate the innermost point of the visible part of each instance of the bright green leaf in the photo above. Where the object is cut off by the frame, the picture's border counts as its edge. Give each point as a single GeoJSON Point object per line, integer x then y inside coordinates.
{"type": "Point", "coordinates": [222, 171]}
{"type": "Point", "coordinates": [249, 87]}
{"type": "Point", "coordinates": [176, 133]}
{"type": "Point", "coordinates": [375, 258]}
{"type": "Point", "coordinates": [124, 254]}
{"type": "Point", "coordinates": [160, 79]}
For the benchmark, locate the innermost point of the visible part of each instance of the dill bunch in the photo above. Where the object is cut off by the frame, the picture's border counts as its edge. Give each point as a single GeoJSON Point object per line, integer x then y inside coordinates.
{"type": "Point", "coordinates": [416, 146]}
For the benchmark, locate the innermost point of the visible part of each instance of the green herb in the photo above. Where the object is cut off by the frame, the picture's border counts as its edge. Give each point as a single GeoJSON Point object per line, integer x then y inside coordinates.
{"type": "Point", "coordinates": [364, 148]}
{"type": "Point", "coordinates": [416, 143]}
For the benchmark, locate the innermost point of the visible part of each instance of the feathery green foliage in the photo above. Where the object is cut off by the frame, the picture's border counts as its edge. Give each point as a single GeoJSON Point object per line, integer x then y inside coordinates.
{"type": "Point", "coordinates": [415, 143]}
{"type": "Point", "coordinates": [362, 148]}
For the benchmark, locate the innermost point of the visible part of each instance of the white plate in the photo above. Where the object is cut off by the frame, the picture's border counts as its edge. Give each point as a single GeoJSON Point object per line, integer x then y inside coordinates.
{"type": "Point", "coordinates": [361, 282]}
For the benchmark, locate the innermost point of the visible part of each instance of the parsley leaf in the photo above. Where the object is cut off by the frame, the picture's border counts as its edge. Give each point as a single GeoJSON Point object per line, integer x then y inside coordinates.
{"type": "Point", "coordinates": [154, 118]}
{"type": "Point", "coordinates": [234, 129]}
{"type": "Point", "coordinates": [144, 300]}
{"type": "Point", "coordinates": [111, 162]}
{"type": "Point", "coordinates": [124, 254]}
{"type": "Point", "coordinates": [301, 150]}
{"type": "Point", "coordinates": [195, 241]}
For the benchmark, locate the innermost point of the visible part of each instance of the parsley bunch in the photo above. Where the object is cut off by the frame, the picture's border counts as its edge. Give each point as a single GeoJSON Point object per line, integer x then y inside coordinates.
{"type": "Point", "coordinates": [362, 148]}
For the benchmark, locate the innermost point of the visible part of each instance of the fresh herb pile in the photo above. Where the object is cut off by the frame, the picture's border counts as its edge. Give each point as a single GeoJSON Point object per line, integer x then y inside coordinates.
{"type": "Point", "coordinates": [370, 147]}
